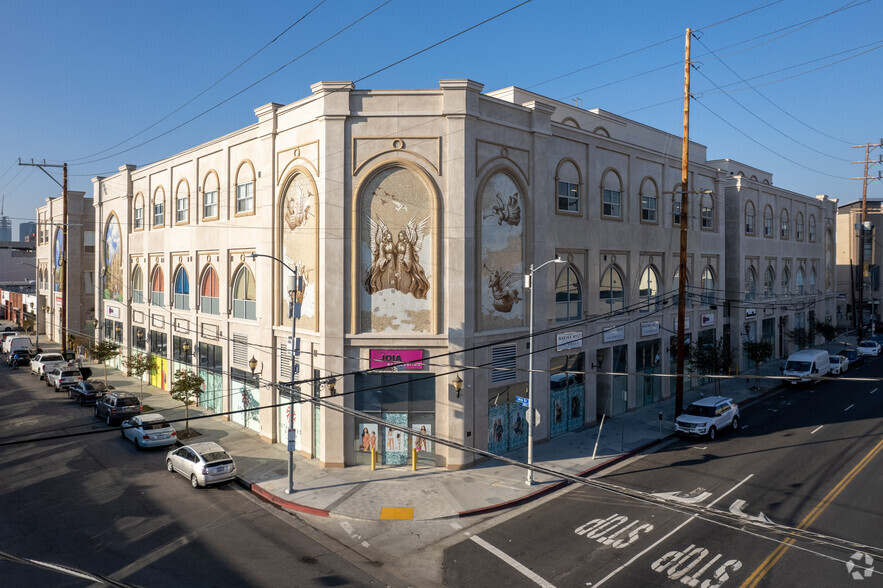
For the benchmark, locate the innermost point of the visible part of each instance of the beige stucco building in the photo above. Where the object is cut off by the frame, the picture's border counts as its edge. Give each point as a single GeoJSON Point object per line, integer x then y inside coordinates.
{"type": "Point", "coordinates": [859, 288]}
{"type": "Point", "coordinates": [413, 216]}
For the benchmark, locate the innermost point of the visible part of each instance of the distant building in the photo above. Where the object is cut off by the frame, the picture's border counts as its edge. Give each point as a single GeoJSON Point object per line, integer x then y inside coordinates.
{"type": "Point", "coordinates": [16, 264]}
{"type": "Point", "coordinates": [27, 232]}
{"type": "Point", "coordinates": [5, 229]}
{"type": "Point", "coordinates": [858, 275]}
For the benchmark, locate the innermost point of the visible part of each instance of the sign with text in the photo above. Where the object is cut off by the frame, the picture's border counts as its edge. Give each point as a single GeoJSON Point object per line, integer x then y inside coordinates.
{"type": "Point", "coordinates": [750, 313]}
{"type": "Point", "coordinates": [649, 328]}
{"type": "Point", "coordinates": [397, 359]}
{"type": "Point", "coordinates": [706, 320]}
{"type": "Point", "coordinates": [58, 299]}
{"type": "Point", "coordinates": [113, 311]}
{"type": "Point", "coordinates": [614, 334]}
{"type": "Point", "coordinates": [686, 324]}
{"type": "Point", "coordinates": [569, 341]}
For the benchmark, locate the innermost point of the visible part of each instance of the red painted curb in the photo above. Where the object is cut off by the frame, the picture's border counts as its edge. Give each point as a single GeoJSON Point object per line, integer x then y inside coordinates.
{"type": "Point", "coordinates": [272, 498]}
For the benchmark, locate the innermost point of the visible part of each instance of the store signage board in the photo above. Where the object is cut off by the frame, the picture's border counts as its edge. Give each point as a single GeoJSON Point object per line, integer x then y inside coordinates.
{"type": "Point", "coordinates": [649, 328]}
{"type": "Point", "coordinates": [397, 359]}
{"type": "Point", "coordinates": [569, 341]}
{"type": "Point", "coordinates": [614, 334]}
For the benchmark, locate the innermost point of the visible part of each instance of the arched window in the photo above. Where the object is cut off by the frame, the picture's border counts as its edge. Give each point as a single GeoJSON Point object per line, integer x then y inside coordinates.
{"type": "Point", "coordinates": [707, 213]}
{"type": "Point", "coordinates": [749, 218]}
{"type": "Point", "coordinates": [245, 188]}
{"type": "Point", "coordinates": [812, 281]}
{"type": "Point", "coordinates": [768, 222]}
{"type": "Point", "coordinates": [157, 288]}
{"type": "Point", "coordinates": [812, 229]}
{"type": "Point", "coordinates": [769, 283]}
{"type": "Point", "coordinates": [568, 182]}
{"type": "Point", "coordinates": [209, 292]}
{"type": "Point", "coordinates": [210, 189]}
{"type": "Point", "coordinates": [244, 305]}
{"type": "Point", "coordinates": [676, 281]}
{"type": "Point", "coordinates": [676, 196]}
{"type": "Point", "coordinates": [182, 203]}
{"type": "Point", "coordinates": [708, 286]}
{"type": "Point", "coordinates": [611, 195]}
{"type": "Point", "coordinates": [138, 212]}
{"type": "Point", "coordinates": [182, 289]}
{"type": "Point", "coordinates": [798, 229]}
{"type": "Point", "coordinates": [612, 294]}
{"type": "Point", "coordinates": [568, 297]}
{"type": "Point", "coordinates": [750, 284]}
{"type": "Point", "coordinates": [648, 290]}
{"type": "Point", "coordinates": [783, 232]}
{"type": "Point", "coordinates": [830, 260]}
{"type": "Point", "coordinates": [649, 201]}
{"type": "Point", "coordinates": [138, 285]}
{"type": "Point", "coordinates": [786, 282]}
{"type": "Point", "coordinates": [159, 207]}
{"type": "Point", "coordinates": [799, 285]}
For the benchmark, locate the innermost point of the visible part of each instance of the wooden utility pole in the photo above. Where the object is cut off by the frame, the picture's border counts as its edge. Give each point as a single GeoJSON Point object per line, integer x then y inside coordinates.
{"type": "Point", "coordinates": [860, 310]}
{"type": "Point", "coordinates": [685, 215]}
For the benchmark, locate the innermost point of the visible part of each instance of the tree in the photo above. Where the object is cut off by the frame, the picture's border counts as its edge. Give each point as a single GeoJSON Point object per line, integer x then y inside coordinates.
{"type": "Point", "coordinates": [799, 337]}
{"type": "Point", "coordinates": [103, 351]}
{"type": "Point", "coordinates": [826, 330]}
{"type": "Point", "coordinates": [713, 358]}
{"type": "Point", "coordinates": [186, 389]}
{"type": "Point", "coordinates": [758, 352]}
{"type": "Point", "coordinates": [139, 364]}
{"type": "Point", "coordinates": [27, 322]}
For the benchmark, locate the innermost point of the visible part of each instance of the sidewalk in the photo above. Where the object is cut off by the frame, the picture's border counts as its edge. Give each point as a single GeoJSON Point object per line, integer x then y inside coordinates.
{"type": "Point", "coordinates": [429, 493]}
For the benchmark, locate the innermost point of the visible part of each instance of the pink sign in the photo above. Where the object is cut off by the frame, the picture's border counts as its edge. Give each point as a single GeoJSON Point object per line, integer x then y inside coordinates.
{"type": "Point", "coordinates": [399, 359]}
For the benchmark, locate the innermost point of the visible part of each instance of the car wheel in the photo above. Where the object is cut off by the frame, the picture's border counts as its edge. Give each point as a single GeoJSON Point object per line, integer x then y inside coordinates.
{"type": "Point", "coordinates": [69, 395]}
{"type": "Point", "coordinates": [107, 419]}
{"type": "Point", "coordinates": [194, 481]}
{"type": "Point", "coordinates": [80, 400]}
{"type": "Point", "coordinates": [137, 444]}
{"type": "Point", "coordinates": [712, 433]}
{"type": "Point", "coordinates": [735, 423]}
{"type": "Point", "coordinates": [169, 465]}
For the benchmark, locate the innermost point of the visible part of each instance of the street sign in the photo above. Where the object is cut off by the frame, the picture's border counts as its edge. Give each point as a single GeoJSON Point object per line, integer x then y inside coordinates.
{"type": "Point", "coordinates": [522, 400]}
{"type": "Point", "coordinates": [292, 440]}
{"type": "Point", "coordinates": [535, 421]}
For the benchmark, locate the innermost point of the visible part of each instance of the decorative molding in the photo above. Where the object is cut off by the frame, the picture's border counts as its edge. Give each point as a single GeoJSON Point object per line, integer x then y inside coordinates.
{"type": "Point", "coordinates": [366, 150]}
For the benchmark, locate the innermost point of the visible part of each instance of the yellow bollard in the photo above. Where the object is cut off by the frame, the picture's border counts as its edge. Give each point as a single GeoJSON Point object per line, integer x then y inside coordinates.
{"type": "Point", "coordinates": [373, 459]}
{"type": "Point", "coordinates": [413, 459]}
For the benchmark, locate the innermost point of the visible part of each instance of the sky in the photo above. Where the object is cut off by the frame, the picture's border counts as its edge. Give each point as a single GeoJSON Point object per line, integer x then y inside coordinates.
{"type": "Point", "coordinates": [787, 86]}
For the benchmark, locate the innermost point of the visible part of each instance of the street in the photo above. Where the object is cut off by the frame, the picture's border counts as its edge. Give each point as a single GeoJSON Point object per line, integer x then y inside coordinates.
{"type": "Point", "coordinates": [97, 506]}
{"type": "Point", "coordinates": [791, 499]}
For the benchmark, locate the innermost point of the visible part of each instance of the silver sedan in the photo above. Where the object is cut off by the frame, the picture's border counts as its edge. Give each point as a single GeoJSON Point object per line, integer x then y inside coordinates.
{"type": "Point", "coordinates": [202, 463]}
{"type": "Point", "coordinates": [149, 430]}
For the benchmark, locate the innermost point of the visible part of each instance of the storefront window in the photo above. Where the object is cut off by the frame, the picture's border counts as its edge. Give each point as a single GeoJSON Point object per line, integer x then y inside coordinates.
{"type": "Point", "coordinates": [507, 426]}
{"type": "Point", "coordinates": [211, 370]}
{"type": "Point", "coordinates": [140, 341]}
{"type": "Point", "coordinates": [567, 393]}
{"type": "Point", "coordinates": [648, 362]}
{"type": "Point", "coordinates": [620, 385]}
{"type": "Point", "coordinates": [244, 399]}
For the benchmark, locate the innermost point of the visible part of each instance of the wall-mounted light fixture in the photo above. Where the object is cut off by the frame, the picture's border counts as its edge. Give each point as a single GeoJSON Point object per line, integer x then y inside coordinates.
{"type": "Point", "coordinates": [252, 364]}
{"type": "Point", "coordinates": [599, 356]}
{"type": "Point", "coordinates": [458, 385]}
{"type": "Point", "coordinates": [330, 383]}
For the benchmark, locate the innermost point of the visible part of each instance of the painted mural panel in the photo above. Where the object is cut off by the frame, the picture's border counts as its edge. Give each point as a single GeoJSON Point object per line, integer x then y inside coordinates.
{"type": "Point", "coordinates": [396, 253]}
{"type": "Point", "coordinates": [57, 259]}
{"type": "Point", "coordinates": [501, 254]}
{"type": "Point", "coordinates": [113, 261]}
{"type": "Point", "coordinates": [300, 247]}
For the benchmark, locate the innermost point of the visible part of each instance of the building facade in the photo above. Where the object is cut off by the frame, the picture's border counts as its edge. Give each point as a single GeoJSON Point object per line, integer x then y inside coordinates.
{"type": "Point", "coordinates": [412, 217]}
{"type": "Point", "coordinates": [858, 266]}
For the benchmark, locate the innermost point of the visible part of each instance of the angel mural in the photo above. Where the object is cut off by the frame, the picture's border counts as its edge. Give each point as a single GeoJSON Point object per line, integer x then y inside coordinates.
{"type": "Point", "coordinates": [500, 283]}
{"type": "Point", "coordinates": [297, 207]}
{"type": "Point", "coordinates": [509, 213]}
{"type": "Point", "coordinates": [396, 264]}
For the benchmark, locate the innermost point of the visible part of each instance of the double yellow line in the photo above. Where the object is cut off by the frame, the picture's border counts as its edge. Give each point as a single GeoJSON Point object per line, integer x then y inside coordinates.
{"type": "Point", "coordinates": [777, 553]}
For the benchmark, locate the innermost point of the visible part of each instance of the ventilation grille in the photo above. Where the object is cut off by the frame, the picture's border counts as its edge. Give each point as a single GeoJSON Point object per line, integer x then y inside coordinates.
{"type": "Point", "coordinates": [503, 361]}
{"type": "Point", "coordinates": [240, 349]}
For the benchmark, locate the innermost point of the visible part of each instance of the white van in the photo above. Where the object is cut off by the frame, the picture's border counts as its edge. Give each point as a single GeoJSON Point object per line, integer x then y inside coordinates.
{"type": "Point", "coordinates": [17, 341]}
{"type": "Point", "coordinates": [806, 365]}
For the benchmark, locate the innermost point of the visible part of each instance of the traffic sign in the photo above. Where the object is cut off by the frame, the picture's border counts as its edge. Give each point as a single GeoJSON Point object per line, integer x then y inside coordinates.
{"type": "Point", "coordinates": [522, 400]}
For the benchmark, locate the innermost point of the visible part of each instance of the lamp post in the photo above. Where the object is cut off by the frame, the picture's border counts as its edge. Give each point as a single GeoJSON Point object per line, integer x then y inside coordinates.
{"type": "Point", "coordinates": [528, 283]}
{"type": "Point", "coordinates": [295, 286]}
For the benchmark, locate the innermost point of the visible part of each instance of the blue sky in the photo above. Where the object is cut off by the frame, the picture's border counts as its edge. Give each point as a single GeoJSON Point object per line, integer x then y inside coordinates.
{"type": "Point", "coordinates": [79, 78]}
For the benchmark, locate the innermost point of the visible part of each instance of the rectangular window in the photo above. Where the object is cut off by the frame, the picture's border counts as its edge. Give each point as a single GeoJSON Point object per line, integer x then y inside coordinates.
{"type": "Point", "coordinates": [799, 233]}
{"type": "Point", "coordinates": [244, 198]}
{"type": "Point", "coordinates": [182, 349]}
{"type": "Point", "coordinates": [210, 204]}
{"type": "Point", "coordinates": [612, 203]}
{"type": "Point", "coordinates": [210, 304]}
{"type": "Point", "coordinates": [768, 226]}
{"type": "Point", "coordinates": [138, 296]}
{"type": "Point", "coordinates": [158, 343]}
{"type": "Point", "coordinates": [210, 358]}
{"type": "Point", "coordinates": [676, 213]}
{"type": "Point", "coordinates": [568, 197]}
{"type": "Point", "coordinates": [707, 218]}
{"type": "Point", "coordinates": [158, 214]}
{"type": "Point", "coordinates": [648, 209]}
{"type": "Point", "coordinates": [181, 213]}
{"type": "Point", "coordinates": [139, 218]}
{"type": "Point", "coordinates": [140, 341]}
{"type": "Point", "coordinates": [158, 298]}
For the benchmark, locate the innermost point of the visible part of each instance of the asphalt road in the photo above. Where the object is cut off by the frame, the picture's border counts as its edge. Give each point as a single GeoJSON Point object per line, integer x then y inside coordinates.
{"type": "Point", "coordinates": [791, 499]}
{"type": "Point", "coordinates": [97, 506]}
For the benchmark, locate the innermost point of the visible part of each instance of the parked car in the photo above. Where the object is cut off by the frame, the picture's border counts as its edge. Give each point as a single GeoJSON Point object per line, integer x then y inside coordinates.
{"type": "Point", "coordinates": [5, 336]}
{"type": "Point", "coordinates": [117, 406]}
{"type": "Point", "coordinates": [42, 362]}
{"type": "Point", "coordinates": [18, 341]}
{"type": "Point", "coordinates": [839, 364]}
{"type": "Point", "coordinates": [62, 378]}
{"type": "Point", "coordinates": [802, 367]}
{"type": "Point", "coordinates": [202, 463]}
{"type": "Point", "coordinates": [853, 356]}
{"type": "Point", "coordinates": [18, 357]}
{"type": "Point", "coordinates": [870, 348]}
{"type": "Point", "coordinates": [86, 392]}
{"type": "Point", "coordinates": [149, 430]}
{"type": "Point", "coordinates": [707, 416]}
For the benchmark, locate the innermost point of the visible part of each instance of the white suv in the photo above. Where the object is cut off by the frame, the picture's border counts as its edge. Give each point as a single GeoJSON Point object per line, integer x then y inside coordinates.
{"type": "Point", "coordinates": [707, 416]}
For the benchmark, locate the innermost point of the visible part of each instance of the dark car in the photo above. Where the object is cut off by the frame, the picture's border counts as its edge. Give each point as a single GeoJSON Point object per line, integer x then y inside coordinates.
{"type": "Point", "coordinates": [18, 357]}
{"type": "Point", "coordinates": [117, 406]}
{"type": "Point", "coordinates": [87, 392]}
{"type": "Point", "coordinates": [855, 358]}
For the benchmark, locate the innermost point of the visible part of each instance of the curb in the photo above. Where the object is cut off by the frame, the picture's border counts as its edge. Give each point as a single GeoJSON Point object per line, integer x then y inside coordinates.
{"type": "Point", "coordinates": [279, 501]}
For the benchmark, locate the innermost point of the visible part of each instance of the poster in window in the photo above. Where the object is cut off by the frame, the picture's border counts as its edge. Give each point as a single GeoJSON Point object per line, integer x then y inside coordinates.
{"type": "Point", "coordinates": [419, 443]}
{"type": "Point", "coordinates": [367, 440]}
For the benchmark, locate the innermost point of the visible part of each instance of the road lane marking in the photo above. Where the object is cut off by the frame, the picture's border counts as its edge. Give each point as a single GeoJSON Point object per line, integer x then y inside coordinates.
{"type": "Point", "coordinates": [667, 535]}
{"type": "Point", "coordinates": [537, 579]}
{"type": "Point", "coordinates": [779, 551]}
{"type": "Point", "coordinates": [816, 430]}
{"type": "Point", "coordinates": [874, 390]}
{"type": "Point", "coordinates": [736, 509]}
{"type": "Point", "coordinates": [676, 497]}
{"type": "Point", "coordinates": [848, 407]}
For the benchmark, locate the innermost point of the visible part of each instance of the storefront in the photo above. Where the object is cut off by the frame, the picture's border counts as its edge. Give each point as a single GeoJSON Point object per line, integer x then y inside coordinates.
{"type": "Point", "coordinates": [159, 349]}
{"type": "Point", "coordinates": [244, 399]}
{"type": "Point", "coordinates": [567, 391]}
{"type": "Point", "coordinates": [211, 370]}
{"type": "Point", "coordinates": [506, 426]}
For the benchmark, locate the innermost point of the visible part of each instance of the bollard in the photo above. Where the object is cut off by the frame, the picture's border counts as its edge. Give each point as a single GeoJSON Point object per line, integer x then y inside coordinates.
{"type": "Point", "coordinates": [413, 459]}
{"type": "Point", "coordinates": [599, 435]}
{"type": "Point", "coordinates": [373, 459]}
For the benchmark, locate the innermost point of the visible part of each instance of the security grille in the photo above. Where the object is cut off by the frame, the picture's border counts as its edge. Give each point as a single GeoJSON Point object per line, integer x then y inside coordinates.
{"type": "Point", "coordinates": [240, 349]}
{"type": "Point", "coordinates": [503, 362]}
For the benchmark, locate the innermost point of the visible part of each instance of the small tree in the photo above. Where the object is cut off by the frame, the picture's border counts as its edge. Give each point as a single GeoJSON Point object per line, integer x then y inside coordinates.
{"type": "Point", "coordinates": [758, 352]}
{"type": "Point", "coordinates": [102, 351]}
{"type": "Point", "coordinates": [28, 322]}
{"type": "Point", "coordinates": [799, 337]}
{"type": "Point", "coordinates": [139, 364]}
{"type": "Point", "coordinates": [186, 389]}
{"type": "Point", "coordinates": [827, 331]}
{"type": "Point", "coordinates": [712, 358]}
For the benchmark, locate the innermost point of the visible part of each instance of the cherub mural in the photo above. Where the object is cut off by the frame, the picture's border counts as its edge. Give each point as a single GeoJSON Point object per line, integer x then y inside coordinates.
{"type": "Point", "coordinates": [297, 206]}
{"type": "Point", "coordinates": [396, 264]}
{"type": "Point", "coordinates": [113, 261]}
{"type": "Point", "coordinates": [509, 213]}
{"type": "Point", "coordinates": [500, 283]}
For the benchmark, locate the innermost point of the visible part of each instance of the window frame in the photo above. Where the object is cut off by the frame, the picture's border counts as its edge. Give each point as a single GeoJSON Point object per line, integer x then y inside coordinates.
{"type": "Point", "coordinates": [572, 296]}
{"type": "Point", "coordinates": [612, 270]}
{"type": "Point", "coordinates": [769, 285]}
{"type": "Point", "coordinates": [246, 181]}
{"type": "Point", "coordinates": [244, 304]}
{"type": "Point", "coordinates": [212, 302]}
{"type": "Point", "coordinates": [708, 283]}
{"type": "Point", "coordinates": [811, 229]}
{"type": "Point", "coordinates": [649, 301]}
{"type": "Point", "coordinates": [784, 225]}
{"type": "Point", "coordinates": [157, 297]}
{"type": "Point", "coordinates": [159, 203]}
{"type": "Point", "coordinates": [138, 285]}
{"type": "Point", "coordinates": [569, 189]}
{"type": "Point", "coordinates": [647, 196]}
{"type": "Point", "coordinates": [750, 284]}
{"type": "Point", "coordinates": [181, 300]}
{"type": "Point", "coordinates": [138, 213]}
{"type": "Point", "coordinates": [768, 222]}
{"type": "Point", "coordinates": [709, 217]}
{"type": "Point", "coordinates": [612, 190]}
{"type": "Point", "coordinates": [750, 226]}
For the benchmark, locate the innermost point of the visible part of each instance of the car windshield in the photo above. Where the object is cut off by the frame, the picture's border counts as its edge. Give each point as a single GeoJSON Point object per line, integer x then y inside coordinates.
{"type": "Point", "coordinates": [70, 374]}
{"type": "Point", "coordinates": [96, 386]}
{"type": "Point", "coordinates": [155, 425]}
{"type": "Point", "coordinates": [834, 359]}
{"type": "Point", "coordinates": [867, 344]}
{"type": "Point", "coordinates": [700, 411]}
{"type": "Point", "coordinates": [215, 456]}
{"type": "Point", "coordinates": [797, 366]}
{"type": "Point", "coordinates": [126, 401]}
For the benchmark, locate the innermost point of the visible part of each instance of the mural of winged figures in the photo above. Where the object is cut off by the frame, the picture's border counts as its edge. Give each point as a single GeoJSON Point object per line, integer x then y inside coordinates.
{"type": "Point", "coordinates": [509, 213]}
{"type": "Point", "coordinates": [298, 207]}
{"type": "Point", "coordinates": [500, 283]}
{"type": "Point", "coordinates": [396, 264]}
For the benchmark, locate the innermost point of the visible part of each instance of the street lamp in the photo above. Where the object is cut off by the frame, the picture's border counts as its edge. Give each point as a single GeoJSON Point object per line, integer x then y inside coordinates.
{"type": "Point", "coordinates": [528, 283]}
{"type": "Point", "coordinates": [295, 286]}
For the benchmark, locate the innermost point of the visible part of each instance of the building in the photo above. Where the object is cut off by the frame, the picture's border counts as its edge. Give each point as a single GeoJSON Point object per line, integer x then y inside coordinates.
{"type": "Point", "coordinates": [412, 217]}
{"type": "Point", "coordinates": [16, 264]}
{"type": "Point", "coordinates": [78, 251]}
{"type": "Point", "coordinates": [858, 272]}
{"type": "Point", "coordinates": [5, 228]}
{"type": "Point", "coordinates": [27, 232]}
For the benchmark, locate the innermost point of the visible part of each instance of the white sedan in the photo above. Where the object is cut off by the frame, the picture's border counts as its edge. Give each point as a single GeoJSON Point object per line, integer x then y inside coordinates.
{"type": "Point", "coordinates": [149, 430]}
{"type": "Point", "coordinates": [839, 364]}
{"type": "Point", "coordinates": [869, 348]}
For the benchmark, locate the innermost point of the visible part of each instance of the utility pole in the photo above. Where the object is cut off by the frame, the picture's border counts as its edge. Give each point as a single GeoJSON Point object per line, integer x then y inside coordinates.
{"type": "Point", "coordinates": [685, 215]}
{"type": "Point", "coordinates": [860, 310]}
{"type": "Point", "coordinates": [64, 241]}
